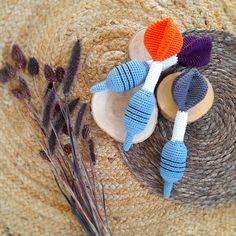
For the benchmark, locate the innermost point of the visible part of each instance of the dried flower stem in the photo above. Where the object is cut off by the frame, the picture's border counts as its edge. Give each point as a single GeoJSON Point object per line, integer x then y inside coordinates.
{"type": "Point", "coordinates": [72, 68]}
{"type": "Point", "coordinates": [75, 177]}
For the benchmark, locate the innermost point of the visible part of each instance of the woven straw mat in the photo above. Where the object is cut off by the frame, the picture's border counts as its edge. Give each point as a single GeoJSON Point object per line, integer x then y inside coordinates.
{"type": "Point", "coordinates": [30, 202]}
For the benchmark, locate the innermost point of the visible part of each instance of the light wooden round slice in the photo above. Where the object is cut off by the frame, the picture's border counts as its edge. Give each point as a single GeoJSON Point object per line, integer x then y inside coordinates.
{"type": "Point", "coordinates": [168, 107]}
{"type": "Point", "coordinates": [136, 49]}
{"type": "Point", "coordinates": [108, 111]}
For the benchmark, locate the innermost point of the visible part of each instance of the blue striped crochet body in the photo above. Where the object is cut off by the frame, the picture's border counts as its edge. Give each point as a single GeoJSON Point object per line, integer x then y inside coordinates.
{"type": "Point", "coordinates": [173, 163]}
{"type": "Point", "coordinates": [137, 115]}
{"type": "Point", "coordinates": [123, 77]}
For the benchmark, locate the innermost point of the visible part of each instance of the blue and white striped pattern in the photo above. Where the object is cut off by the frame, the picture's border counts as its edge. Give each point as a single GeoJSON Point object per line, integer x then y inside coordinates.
{"type": "Point", "coordinates": [138, 113]}
{"type": "Point", "coordinates": [172, 166]}
{"type": "Point", "coordinates": [124, 77]}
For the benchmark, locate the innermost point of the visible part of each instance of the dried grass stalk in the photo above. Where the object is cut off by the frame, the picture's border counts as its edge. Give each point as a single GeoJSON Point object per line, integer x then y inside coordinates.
{"type": "Point", "coordinates": [48, 108]}
{"type": "Point", "coordinates": [72, 68]}
{"type": "Point", "coordinates": [75, 177]}
{"type": "Point", "coordinates": [58, 124]}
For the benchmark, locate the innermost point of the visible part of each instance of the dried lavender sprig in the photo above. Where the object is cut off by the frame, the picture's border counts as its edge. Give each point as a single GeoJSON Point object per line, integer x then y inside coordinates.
{"type": "Point", "coordinates": [49, 73]}
{"type": "Point", "coordinates": [67, 149]}
{"type": "Point", "coordinates": [43, 155]}
{"type": "Point", "coordinates": [60, 72]}
{"type": "Point", "coordinates": [78, 122]}
{"type": "Point", "coordinates": [92, 200]}
{"type": "Point", "coordinates": [58, 125]}
{"type": "Point", "coordinates": [33, 66]}
{"type": "Point", "coordinates": [7, 72]}
{"type": "Point", "coordinates": [85, 132]}
{"type": "Point", "coordinates": [91, 151]}
{"type": "Point", "coordinates": [17, 93]}
{"type": "Point", "coordinates": [49, 104]}
{"type": "Point", "coordinates": [23, 91]}
{"type": "Point", "coordinates": [18, 57]}
{"type": "Point", "coordinates": [72, 68]}
{"type": "Point", "coordinates": [24, 88]}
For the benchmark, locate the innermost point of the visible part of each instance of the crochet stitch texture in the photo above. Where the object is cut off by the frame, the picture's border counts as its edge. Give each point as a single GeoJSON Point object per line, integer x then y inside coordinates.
{"type": "Point", "coordinates": [124, 77]}
{"type": "Point", "coordinates": [188, 89]}
{"type": "Point", "coordinates": [162, 40]}
{"type": "Point", "coordinates": [196, 51]}
{"type": "Point", "coordinates": [137, 115]}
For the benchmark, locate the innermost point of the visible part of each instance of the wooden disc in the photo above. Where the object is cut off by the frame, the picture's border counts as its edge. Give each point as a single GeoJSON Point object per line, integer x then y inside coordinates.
{"type": "Point", "coordinates": [108, 109]}
{"type": "Point", "coordinates": [136, 49]}
{"type": "Point", "coordinates": [168, 107]}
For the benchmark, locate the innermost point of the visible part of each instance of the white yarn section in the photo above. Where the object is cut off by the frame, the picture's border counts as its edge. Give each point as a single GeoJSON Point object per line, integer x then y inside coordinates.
{"type": "Point", "coordinates": [180, 125]}
{"type": "Point", "coordinates": [170, 62]}
{"type": "Point", "coordinates": [167, 63]}
{"type": "Point", "coordinates": [153, 76]}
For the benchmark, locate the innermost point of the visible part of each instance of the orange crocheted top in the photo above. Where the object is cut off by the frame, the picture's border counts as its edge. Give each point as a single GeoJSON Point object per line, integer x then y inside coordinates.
{"type": "Point", "coordinates": [163, 39]}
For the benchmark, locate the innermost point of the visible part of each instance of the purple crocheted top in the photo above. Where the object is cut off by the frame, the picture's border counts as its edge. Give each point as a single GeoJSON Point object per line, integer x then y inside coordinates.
{"type": "Point", "coordinates": [196, 51]}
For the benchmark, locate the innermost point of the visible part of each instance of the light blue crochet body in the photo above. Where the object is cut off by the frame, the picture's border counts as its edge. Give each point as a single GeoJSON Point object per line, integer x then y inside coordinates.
{"type": "Point", "coordinates": [137, 115]}
{"type": "Point", "coordinates": [172, 166]}
{"type": "Point", "coordinates": [123, 77]}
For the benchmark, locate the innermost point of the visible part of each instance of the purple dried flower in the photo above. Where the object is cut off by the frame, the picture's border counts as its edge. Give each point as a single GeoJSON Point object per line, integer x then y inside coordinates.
{"type": "Point", "coordinates": [18, 57]}
{"type": "Point", "coordinates": [48, 108]}
{"type": "Point", "coordinates": [6, 73]}
{"type": "Point", "coordinates": [24, 88]}
{"type": "Point", "coordinates": [65, 130]}
{"type": "Point", "coordinates": [67, 149]}
{"type": "Point", "coordinates": [33, 66]}
{"type": "Point", "coordinates": [43, 155]}
{"type": "Point", "coordinates": [72, 68]}
{"type": "Point", "coordinates": [85, 132]}
{"type": "Point", "coordinates": [91, 151]}
{"type": "Point", "coordinates": [60, 72]}
{"type": "Point", "coordinates": [58, 124]}
{"type": "Point", "coordinates": [57, 109]}
{"type": "Point", "coordinates": [17, 93]}
{"type": "Point", "coordinates": [49, 73]}
{"type": "Point", "coordinates": [23, 91]}
{"type": "Point", "coordinates": [79, 119]}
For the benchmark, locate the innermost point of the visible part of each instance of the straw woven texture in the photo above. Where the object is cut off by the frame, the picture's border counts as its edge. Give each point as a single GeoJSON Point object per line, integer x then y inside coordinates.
{"type": "Point", "coordinates": [30, 202]}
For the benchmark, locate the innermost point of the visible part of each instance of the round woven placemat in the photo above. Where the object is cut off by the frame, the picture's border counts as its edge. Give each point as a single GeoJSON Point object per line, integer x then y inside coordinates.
{"type": "Point", "coordinates": [30, 201]}
{"type": "Point", "coordinates": [210, 177]}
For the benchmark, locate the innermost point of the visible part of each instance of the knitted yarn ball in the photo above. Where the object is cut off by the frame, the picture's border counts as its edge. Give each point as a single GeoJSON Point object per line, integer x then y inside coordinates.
{"type": "Point", "coordinates": [123, 77]}
{"type": "Point", "coordinates": [163, 39]}
{"type": "Point", "coordinates": [189, 89]}
{"type": "Point", "coordinates": [196, 51]}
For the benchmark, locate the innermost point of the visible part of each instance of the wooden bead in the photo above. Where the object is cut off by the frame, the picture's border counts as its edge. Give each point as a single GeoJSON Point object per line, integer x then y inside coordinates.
{"type": "Point", "coordinates": [108, 111]}
{"type": "Point", "coordinates": [136, 49]}
{"type": "Point", "coordinates": [168, 107]}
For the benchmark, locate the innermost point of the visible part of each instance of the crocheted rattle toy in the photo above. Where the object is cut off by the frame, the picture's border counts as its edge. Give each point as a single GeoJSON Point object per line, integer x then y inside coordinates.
{"type": "Point", "coordinates": [194, 53]}
{"type": "Point", "coordinates": [162, 40]}
{"type": "Point", "coordinates": [188, 90]}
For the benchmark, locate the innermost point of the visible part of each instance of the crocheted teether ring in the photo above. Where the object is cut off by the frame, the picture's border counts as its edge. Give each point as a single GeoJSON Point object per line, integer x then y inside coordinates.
{"type": "Point", "coordinates": [188, 90]}
{"type": "Point", "coordinates": [163, 41]}
{"type": "Point", "coordinates": [196, 50]}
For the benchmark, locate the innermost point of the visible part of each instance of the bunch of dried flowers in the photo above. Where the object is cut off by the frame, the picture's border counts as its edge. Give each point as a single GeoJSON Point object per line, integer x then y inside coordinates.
{"type": "Point", "coordinates": [74, 174]}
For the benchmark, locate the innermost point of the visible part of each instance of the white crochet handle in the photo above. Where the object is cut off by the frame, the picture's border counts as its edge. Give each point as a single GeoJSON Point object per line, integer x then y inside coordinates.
{"type": "Point", "coordinates": [156, 67]}
{"type": "Point", "coordinates": [180, 125]}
